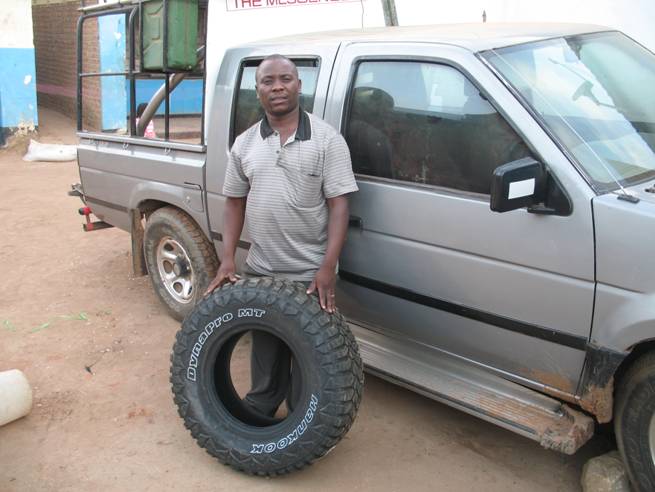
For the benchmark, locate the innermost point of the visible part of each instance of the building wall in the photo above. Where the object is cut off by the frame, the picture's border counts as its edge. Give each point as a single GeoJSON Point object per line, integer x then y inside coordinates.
{"type": "Point", "coordinates": [633, 17]}
{"type": "Point", "coordinates": [55, 38]}
{"type": "Point", "coordinates": [228, 19]}
{"type": "Point", "coordinates": [234, 22]}
{"type": "Point", "coordinates": [17, 77]}
{"type": "Point", "coordinates": [185, 99]}
{"type": "Point", "coordinates": [113, 59]}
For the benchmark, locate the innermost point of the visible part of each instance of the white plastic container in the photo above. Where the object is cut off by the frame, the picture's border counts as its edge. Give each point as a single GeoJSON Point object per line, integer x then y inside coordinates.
{"type": "Point", "coordinates": [15, 396]}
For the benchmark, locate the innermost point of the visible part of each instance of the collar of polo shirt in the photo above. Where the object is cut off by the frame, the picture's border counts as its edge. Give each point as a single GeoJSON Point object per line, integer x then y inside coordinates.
{"type": "Point", "coordinates": [304, 131]}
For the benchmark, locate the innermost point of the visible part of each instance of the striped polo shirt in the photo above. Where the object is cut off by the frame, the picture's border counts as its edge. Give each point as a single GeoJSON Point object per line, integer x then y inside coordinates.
{"type": "Point", "coordinates": [287, 187]}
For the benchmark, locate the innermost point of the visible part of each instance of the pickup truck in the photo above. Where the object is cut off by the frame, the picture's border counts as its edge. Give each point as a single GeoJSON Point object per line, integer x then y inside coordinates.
{"type": "Point", "coordinates": [500, 251]}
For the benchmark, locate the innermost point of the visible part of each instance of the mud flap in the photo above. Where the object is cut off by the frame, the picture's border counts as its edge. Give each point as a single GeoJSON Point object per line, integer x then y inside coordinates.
{"type": "Point", "coordinates": [138, 257]}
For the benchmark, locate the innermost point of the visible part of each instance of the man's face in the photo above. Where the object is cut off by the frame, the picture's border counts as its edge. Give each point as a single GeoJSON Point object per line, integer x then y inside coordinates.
{"type": "Point", "coordinates": [278, 86]}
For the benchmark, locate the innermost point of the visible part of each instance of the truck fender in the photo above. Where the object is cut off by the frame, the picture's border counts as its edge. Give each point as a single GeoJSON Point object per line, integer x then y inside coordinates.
{"type": "Point", "coordinates": [188, 197]}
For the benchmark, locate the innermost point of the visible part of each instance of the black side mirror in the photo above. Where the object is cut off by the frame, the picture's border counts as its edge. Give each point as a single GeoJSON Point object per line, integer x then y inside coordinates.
{"type": "Point", "coordinates": [518, 184]}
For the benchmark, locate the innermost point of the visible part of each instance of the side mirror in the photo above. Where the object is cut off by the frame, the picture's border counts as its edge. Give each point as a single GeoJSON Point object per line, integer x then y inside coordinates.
{"type": "Point", "coordinates": [518, 184]}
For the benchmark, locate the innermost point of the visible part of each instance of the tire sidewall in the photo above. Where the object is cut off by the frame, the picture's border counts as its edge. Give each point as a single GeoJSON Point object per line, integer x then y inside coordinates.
{"type": "Point", "coordinates": [160, 225]}
{"type": "Point", "coordinates": [264, 444]}
{"type": "Point", "coordinates": [634, 421]}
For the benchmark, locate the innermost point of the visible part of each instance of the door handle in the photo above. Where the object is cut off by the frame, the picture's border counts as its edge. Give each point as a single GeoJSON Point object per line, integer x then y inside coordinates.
{"type": "Point", "coordinates": [354, 221]}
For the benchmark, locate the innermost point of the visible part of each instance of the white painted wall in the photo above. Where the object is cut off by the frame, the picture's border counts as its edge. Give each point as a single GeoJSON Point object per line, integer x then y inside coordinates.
{"type": "Point", "coordinates": [232, 22]}
{"type": "Point", "coordinates": [17, 72]}
{"type": "Point", "coordinates": [633, 17]}
{"type": "Point", "coordinates": [16, 24]}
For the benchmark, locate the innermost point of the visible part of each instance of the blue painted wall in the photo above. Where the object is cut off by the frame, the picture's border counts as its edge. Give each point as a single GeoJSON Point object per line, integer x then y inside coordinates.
{"type": "Point", "coordinates": [115, 90]}
{"type": "Point", "coordinates": [111, 33]}
{"type": "Point", "coordinates": [185, 99]}
{"type": "Point", "coordinates": [17, 88]}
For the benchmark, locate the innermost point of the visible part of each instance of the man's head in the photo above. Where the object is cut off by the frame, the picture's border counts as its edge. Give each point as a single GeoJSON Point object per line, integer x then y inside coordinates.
{"type": "Point", "coordinates": [140, 109]}
{"type": "Point", "coordinates": [278, 86]}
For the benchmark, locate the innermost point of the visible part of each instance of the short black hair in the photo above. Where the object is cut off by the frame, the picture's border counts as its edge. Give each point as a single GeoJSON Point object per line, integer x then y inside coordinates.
{"type": "Point", "coordinates": [276, 56]}
{"type": "Point", "coordinates": [140, 109]}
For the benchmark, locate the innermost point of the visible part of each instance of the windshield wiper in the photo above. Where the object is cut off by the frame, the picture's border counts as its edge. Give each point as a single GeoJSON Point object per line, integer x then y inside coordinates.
{"type": "Point", "coordinates": [585, 89]}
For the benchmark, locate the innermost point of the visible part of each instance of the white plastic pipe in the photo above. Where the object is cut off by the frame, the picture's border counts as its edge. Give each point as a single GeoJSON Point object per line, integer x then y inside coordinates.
{"type": "Point", "coordinates": [15, 396]}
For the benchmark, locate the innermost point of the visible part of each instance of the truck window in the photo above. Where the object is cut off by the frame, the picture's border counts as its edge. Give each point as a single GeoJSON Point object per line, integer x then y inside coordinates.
{"type": "Point", "coordinates": [248, 111]}
{"type": "Point", "coordinates": [426, 123]}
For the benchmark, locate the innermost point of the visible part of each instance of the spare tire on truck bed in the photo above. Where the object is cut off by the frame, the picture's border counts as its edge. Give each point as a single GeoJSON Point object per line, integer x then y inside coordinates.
{"type": "Point", "coordinates": [324, 352]}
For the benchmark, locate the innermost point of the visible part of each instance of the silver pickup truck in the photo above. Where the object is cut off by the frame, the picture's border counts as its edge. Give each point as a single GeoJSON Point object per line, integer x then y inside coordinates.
{"type": "Point", "coordinates": [500, 256]}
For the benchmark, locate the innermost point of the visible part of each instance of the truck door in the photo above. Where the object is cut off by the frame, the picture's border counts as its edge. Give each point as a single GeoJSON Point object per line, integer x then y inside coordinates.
{"type": "Point", "coordinates": [235, 108]}
{"type": "Point", "coordinates": [426, 259]}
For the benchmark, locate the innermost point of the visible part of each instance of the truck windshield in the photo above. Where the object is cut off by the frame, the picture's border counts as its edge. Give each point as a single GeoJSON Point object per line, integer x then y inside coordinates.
{"type": "Point", "coordinates": [595, 93]}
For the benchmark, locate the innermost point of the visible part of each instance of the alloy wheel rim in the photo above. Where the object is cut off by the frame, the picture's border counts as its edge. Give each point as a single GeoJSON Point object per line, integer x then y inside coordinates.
{"type": "Point", "coordinates": [175, 270]}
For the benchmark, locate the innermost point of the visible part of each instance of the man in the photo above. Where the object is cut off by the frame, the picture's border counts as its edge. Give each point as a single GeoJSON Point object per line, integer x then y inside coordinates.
{"type": "Point", "coordinates": [289, 174]}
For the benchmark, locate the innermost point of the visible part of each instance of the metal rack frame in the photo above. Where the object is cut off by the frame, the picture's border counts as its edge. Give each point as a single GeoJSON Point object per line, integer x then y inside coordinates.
{"type": "Point", "coordinates": [131, 9]}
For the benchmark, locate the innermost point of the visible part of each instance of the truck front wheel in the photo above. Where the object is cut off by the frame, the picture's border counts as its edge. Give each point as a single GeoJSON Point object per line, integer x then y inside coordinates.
{"type": "Point", "coordinates": [634, 422]}
{"type": "Point", "coordinates": [181, 261]}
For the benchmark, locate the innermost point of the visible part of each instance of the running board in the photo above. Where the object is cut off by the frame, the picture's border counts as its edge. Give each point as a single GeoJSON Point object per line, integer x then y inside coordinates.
{"type": "Point", "coordinates": [473, 390]}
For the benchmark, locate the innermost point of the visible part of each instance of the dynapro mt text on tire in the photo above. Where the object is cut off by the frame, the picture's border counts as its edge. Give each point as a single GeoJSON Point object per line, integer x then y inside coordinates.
{"type": "Point", "coordinates": [324, 352]}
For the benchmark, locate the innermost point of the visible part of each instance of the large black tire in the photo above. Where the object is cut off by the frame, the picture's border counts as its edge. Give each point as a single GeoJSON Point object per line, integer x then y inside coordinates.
{"type": "Point", "coordinates": [634, 422]}
{"type": "Point", "coordinates": [324, 351]}
{"type": "Point", "coordinates": [171, 231]}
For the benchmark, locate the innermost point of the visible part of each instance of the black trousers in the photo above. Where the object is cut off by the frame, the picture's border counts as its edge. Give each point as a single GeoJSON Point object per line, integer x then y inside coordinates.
{"type": "Point", "coordinates": [273, 378]}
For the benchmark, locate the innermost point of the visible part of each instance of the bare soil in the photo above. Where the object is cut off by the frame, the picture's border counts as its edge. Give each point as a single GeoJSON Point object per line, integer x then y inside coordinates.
{"type": "Point", "coordinates": [95, 343]}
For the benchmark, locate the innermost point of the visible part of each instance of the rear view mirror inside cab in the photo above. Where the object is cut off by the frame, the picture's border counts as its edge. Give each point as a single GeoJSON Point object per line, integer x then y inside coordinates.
{"type": "Point", "coordinates": [527, 183]}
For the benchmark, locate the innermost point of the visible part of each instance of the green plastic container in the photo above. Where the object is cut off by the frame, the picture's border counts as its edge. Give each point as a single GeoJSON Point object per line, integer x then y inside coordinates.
{"type": "Point", "coordinates": [182, 35]}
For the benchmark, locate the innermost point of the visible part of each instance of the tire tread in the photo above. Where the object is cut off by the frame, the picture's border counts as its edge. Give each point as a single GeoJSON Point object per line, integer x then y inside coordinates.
{"type": "Point", "coordinates": [334, 343]}
{"type": "Point", "coordinates": [635, 390]}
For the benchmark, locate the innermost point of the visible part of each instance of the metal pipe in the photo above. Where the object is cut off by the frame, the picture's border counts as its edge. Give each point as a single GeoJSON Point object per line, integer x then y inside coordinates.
{"type": "Point", "coordinates": [80, 40]}
{"type": "Point", "coordinates": [102, 74]}
{"type": "Point", "coordinates": [204, 78]}
{"type": "Point", "coordinates": [165, 40]}
{"type": "Point", "coordinates": [131, 67]}
{"type": "Point", "coordinates": [105, 6]}
{"type": "Point", "coordinates": [174, 80]}
{"type": "Point", "coordinates": [167, 107]}
{"type": "Point", "coordinates": [96, 226]}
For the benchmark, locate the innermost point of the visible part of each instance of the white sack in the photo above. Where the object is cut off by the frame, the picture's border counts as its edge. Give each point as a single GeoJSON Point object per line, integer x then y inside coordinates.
{"type": "Point", "coordinates": [50, 152]}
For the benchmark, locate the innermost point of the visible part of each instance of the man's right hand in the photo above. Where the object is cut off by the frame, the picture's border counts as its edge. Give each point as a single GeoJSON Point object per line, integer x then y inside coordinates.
{"type": "Point", "coordinates": [226, 273]}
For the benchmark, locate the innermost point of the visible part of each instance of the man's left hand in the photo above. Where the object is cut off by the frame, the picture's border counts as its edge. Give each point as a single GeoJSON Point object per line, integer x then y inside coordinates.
{"type": "Point", "coordinates": [324, 281]}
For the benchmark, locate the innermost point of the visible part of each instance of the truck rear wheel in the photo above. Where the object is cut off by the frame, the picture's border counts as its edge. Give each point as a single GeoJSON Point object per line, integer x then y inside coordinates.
{"type": "Point", "coordinates": [634, 422]}
{"type": "Point", "coordinates": [324, 354]}
{"type": "Point", "coordinates": [180, 259]}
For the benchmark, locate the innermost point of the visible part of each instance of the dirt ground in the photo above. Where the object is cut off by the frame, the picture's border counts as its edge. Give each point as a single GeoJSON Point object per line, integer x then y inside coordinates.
{"type": "Point", "coordinates": [95, 342]}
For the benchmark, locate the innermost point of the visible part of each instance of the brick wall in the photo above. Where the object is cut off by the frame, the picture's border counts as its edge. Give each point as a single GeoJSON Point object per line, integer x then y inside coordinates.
{"type": "Point", "coordinates": [55, 39]}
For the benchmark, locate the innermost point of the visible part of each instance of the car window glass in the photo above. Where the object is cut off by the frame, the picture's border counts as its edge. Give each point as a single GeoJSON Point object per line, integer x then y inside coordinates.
{"type": "Point", "coordinates": [248, 111]}
{"type": "Point", "coordinates": [426, 123]}
{"type": "Point", "coordinates": [595, 93]}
